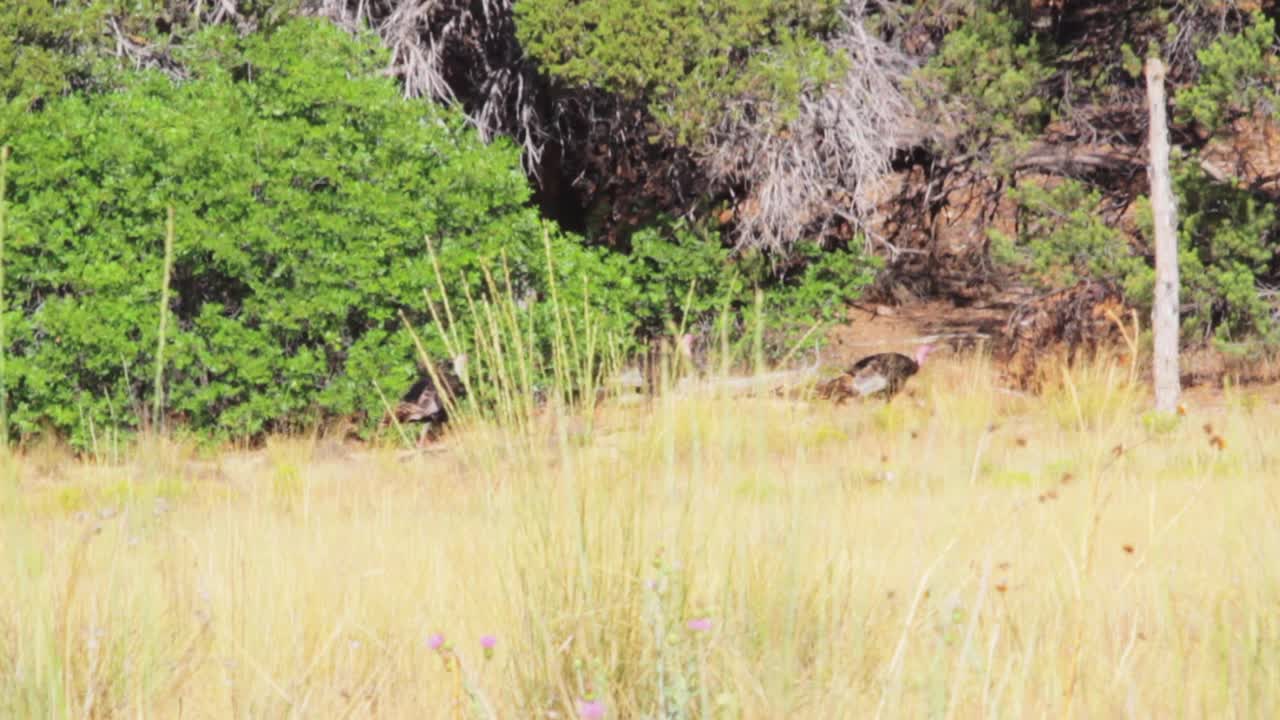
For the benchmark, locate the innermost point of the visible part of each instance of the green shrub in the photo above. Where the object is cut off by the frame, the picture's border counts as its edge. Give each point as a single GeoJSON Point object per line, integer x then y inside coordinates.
{"type": "Point", "coordinates": [47, 46]}
{"type": "Point", "coordinates": [50, 47]}
{"type": "Point", "coordinates": [304, 187]}
{"type": "Point", "coordinates": [1238, 73]}
{"type": "Point", "coordinates": [1063, 237]}
{"type": "Point", "coordinates": [985, 85]}
{"type": "Point", "coordinates": [684, 59]}
{"type": "Point", "coordinates": [1227, 248]}
{"type": "Point", "coordinates": [683, 274]}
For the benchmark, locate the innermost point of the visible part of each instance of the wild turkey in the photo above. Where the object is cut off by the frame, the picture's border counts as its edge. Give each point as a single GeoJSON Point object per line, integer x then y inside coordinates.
{"type": "Point", "coordinates": [425, 402]}
{"type": "Point", "coordinates": [883, 374]}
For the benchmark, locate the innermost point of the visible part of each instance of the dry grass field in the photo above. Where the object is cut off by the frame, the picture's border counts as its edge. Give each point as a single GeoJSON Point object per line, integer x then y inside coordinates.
{"type": "Point", "coordinates": [962, 552]}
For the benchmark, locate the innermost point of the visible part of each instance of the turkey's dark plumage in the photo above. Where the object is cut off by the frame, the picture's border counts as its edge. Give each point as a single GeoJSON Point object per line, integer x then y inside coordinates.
{"type": "Point", "coordinates": [426, 403]}
{"type": "Point", "coordinates": [883, 374]}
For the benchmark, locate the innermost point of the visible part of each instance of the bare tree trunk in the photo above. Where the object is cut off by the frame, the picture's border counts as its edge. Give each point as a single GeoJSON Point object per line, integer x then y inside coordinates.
{"type": "Point", "coordinates": [1164, 312]}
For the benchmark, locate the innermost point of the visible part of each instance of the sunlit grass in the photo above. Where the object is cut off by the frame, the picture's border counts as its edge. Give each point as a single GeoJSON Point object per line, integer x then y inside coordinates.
{"type": "Point", "coordinates": [961, 552]}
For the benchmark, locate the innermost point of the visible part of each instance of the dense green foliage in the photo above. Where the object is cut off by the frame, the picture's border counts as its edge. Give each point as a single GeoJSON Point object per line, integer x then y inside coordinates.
{"type": "Point", "coordinates": [1225, 235]}
{"type": "Point", "coordinates": [687, 60]}
{"type": "Point", "coordinates": [1227, 246]}
{"type": "Point", "coordinates": [985, 79]}
{"type": "Point", "coordinates": [46, 47]}
{"type": "Point", "coordinates": [1063, 238]}
{"type": "Point", "coordinates": [51, 47]}
{"type": "Point", "coordinates": [1239, 73]}
{"type": "Point", "coordinates": [685, 276]}
{"type": "Point", "coordinates": [304, 187]}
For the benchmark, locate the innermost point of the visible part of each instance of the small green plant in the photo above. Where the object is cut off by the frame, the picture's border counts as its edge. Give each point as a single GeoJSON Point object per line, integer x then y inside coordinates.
{"type": "Point", "coordinates": [72, 498]}
{"type": "Point", "coordinates": [287, 484]}
{"type": "Point", "coordinates": [1157, 423]}
{"type": "Point", "coordinates": [679, 647]}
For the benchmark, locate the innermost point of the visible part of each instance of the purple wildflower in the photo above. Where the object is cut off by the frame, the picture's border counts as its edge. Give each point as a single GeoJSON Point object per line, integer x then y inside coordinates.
{"type": "Point", "coordinates": [590, 709]}
{"type": "Point", "coordinates": [435, 642]}
{"type": "Point", "coordinates": [700, 624]}
{"type": "Point", "coordinates": [487, 642]}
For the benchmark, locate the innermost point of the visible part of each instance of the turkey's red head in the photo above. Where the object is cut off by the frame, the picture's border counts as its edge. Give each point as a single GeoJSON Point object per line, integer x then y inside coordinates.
{"type": "Point", "coordinates": [922, 352]}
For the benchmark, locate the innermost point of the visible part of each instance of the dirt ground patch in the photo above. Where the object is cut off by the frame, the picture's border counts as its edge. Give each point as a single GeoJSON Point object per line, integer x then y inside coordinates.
{"type": "Point", "coordinates": [873, 328]}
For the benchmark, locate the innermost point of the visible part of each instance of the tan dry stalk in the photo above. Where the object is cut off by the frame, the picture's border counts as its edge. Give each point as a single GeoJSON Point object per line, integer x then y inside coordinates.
{"type": "Point", "coordinates": [391, 413]}
{"type": "Point", "coordinates": [158, 407]}
{"type": "Point", "coordinates": [4, 339]}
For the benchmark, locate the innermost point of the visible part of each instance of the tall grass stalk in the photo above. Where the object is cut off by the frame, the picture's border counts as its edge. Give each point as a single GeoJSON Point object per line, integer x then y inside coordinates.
{"type": "Point", "coordinates": [391, 413]}
{"type": "Point", "coordinates": [4, 337]}
{"type": "Point", "coordinates": [510, 376]}
{"type": "Point", "coordinates": [157, 419]}
{"type": "Point", "coordinates": [757, 336]}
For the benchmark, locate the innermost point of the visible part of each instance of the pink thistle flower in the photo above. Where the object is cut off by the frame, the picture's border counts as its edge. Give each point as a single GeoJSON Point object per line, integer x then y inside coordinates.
{"type": "Point", "coordinates": [488, 642]}
{"type": "Point", "coordinates": [436, 641]}
{"type": "Point", "coordinates": [590, 709]}
{"type": "Point", "coordinates": [700, 624]}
